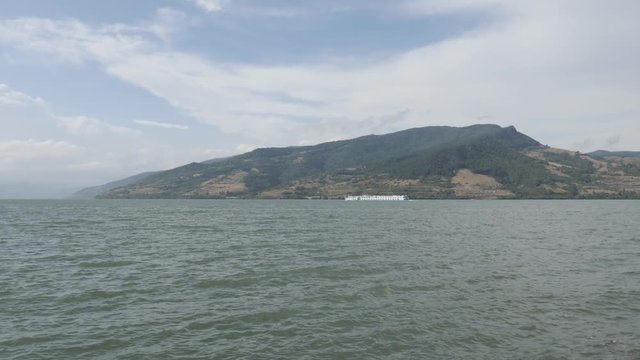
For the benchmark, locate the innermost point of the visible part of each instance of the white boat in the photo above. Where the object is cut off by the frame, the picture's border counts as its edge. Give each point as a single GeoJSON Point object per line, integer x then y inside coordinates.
{"type": "Point", "coordinates": [377, 197]}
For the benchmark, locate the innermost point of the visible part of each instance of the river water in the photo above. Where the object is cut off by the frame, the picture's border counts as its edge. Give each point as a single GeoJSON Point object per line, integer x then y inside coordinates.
{"type": "Point", "coordinates": [239, 279]}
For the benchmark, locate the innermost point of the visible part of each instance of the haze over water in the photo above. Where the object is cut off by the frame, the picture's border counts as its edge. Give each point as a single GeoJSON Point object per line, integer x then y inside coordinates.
{"type": "Point", "coordinates": [319, 279]}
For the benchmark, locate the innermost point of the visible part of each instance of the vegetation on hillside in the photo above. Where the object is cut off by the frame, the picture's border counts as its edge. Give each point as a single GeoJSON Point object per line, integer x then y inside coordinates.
{"type": "Point", "coordinates": [418, 162]}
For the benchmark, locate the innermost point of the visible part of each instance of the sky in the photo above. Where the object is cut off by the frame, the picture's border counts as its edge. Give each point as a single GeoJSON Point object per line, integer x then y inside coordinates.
{"type": "Point", "coordinates": [94, 91]}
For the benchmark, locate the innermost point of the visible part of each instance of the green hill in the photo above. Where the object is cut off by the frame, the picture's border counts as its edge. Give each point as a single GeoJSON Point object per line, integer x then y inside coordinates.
{"type": "Point", "coordinates": [480, 161]}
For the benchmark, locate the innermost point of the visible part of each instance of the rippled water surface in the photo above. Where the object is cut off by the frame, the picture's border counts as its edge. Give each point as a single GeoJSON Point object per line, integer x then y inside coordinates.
{"type": "Point", "coordinates": [319, 279]}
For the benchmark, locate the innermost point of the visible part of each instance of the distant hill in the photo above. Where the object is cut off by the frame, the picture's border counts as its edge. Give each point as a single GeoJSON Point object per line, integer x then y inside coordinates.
{"type": "Point", "coordinates": [605, 154]}
{"type": "Point", "coordinates": [480, 161]}
{"type": "Point", "coordinates": [92, 192]}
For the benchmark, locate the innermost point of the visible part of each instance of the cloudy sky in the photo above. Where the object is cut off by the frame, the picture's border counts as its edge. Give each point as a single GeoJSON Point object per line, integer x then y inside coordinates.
{"type": "Point", "coordinates": [92, 91]}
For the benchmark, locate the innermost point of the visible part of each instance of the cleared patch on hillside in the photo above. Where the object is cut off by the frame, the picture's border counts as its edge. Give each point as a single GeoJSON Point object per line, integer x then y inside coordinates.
{"type": "Point", "coordinates": [221, 186]}
{"type": "Point", "coordinates": [468, 184]}
{"type": "Point", "coordinates": [140, 191]}
{"type": "Point", "coordinates": [619, 183]}
{"type": "Point", "coordinates": [601, 166]}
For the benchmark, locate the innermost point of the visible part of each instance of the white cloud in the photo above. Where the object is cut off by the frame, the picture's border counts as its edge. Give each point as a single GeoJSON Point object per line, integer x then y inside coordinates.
{"type": "Point", "coordinates": [210, 5]}
{"type": "Point", "coordinates": [164, 125]}
{"type": "Point", "coordinates": [17, 98]}
{"type": "Point", "coordinates": [555, 69]}
{"type": "Point", "coordinates": [243, 148]}
{"type": "Point", "coordinates": [14, 151]}
{"type": "Point", "coordinates": [167, 21]}
{"type": "Point", "coordinates": [86, 126]}
{"type": "Point", "coordinates": [209, 154]}
{"type": "Point", "coordinates": [37, 146]}
{"type": "Point", "coordinates": [72, 40]}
